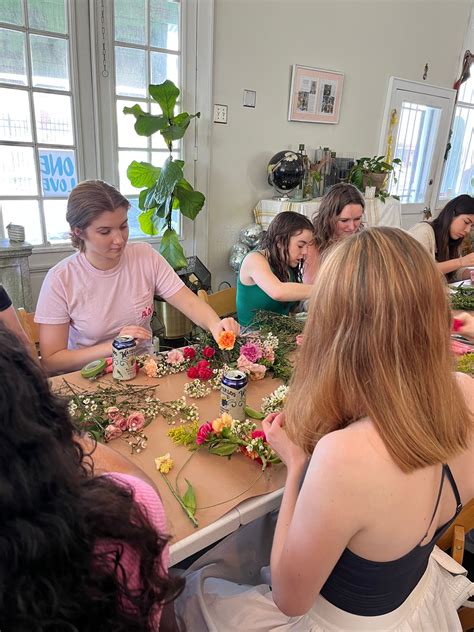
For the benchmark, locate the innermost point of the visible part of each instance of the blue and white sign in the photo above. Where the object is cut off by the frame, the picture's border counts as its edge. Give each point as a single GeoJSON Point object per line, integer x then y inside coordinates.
{"type": "Point", "coordinates": [58, 172]}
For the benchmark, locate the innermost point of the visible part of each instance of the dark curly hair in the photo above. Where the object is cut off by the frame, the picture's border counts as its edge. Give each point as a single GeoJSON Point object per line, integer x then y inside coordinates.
{"type": "Point", "coordinates": [276, 240]}
{"type": "Point", "coordinates": [332, 204]}
{"type": "Point", "coordinates": [62, 530]}
{"type": "Point", "coordinates": [446, 247]}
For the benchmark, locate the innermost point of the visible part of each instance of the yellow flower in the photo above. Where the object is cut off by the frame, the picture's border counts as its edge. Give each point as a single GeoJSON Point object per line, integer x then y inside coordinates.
{"type": "Point", "coordinates": [224, 421]}
{"type": "Point", "coordinates": [226, 340]}
{"type": "Point", "coordinates": [164, 463]}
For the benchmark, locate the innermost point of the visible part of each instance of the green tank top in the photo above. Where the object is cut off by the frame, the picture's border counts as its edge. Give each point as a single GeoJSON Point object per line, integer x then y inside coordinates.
{"type": "Point", "coordinates": [251, 298]}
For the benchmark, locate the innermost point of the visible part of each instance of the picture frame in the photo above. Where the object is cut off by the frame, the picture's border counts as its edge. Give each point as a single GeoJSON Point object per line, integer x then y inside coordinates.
{"type": "Point", "coordinates": [315, 95]}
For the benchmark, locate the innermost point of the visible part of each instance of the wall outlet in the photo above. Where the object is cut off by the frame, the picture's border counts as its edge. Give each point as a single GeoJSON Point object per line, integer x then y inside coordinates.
{"type": "Point", "coordinates": [220, 113]}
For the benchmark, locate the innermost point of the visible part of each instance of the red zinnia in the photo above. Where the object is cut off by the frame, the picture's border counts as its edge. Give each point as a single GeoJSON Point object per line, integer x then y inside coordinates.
{"type": "Point", "coordinates": [208, 352]}
{"type": "Point", "coordinates": [193, 372]}
{"type": "Point", "coordinates": [189, 353]}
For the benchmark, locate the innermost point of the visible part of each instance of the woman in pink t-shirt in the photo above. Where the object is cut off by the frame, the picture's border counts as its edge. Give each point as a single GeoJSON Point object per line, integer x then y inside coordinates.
{"type": "Point", "coordinates": [78, 550]}
{"type": "Point", "coordinates": [107, 288]}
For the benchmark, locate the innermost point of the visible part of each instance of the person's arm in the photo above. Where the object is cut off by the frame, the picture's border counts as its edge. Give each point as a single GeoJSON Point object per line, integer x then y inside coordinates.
{"type": "Point", "coordinates": [57, 358]}
{"type": "Point", "coordinates": [106, 459]}
{"type": "Point", "coordinates": [455, 264]}
{"type": "Point", "coordinates": [201, 313]}
{"type": "Point", "coordinates": [466, 328]}
{"type": "Point", "coordinates": [10, 319]}
{"type": "Point", "coordinates": [314, 526]}
{"type": "Point", "coordinates": [255, 269]}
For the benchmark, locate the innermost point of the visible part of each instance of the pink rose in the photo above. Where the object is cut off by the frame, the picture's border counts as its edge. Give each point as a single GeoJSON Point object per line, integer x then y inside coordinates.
{"type": "Point", "coordinates": [208, 352]}
{"type": "Point", "coordinates": [112, 432]}
{"type": "Point", "coordinates": [121, 422]}
{"type": "Point", "coordinates": [259, 434]}
{"type": "Point", "coordinates": [175, 357]}
{"type": "Point", "coordinates": [135, 421]}
{"type": "Point", "coordinates": [193, 372]}
{"type": "Point", "coordinates": [189, 353]}
{"type": "Point", "coordinates": [252, 351]}
{"type": "Point", "coordinates": [112, 412]}
{"type": "Point", "coordinates": [257, 372]}
{"type": "Point", "coordinates": [150, 367]}
{"type": "Point", "coordinates": [244, 364]}
{"type": "Point", "coordinates": [269, 356]}
{"type": "Point", "coordinates": [203, 432]}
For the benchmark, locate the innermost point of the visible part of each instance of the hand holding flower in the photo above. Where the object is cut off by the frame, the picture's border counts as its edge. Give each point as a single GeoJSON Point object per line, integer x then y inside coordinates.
{"type": "Point", "coordinates": [292, 455]}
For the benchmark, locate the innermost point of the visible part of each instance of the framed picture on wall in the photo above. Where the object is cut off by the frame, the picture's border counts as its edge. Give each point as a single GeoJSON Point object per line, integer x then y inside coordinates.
{"type": "Point", "coordinates": [315, 95]}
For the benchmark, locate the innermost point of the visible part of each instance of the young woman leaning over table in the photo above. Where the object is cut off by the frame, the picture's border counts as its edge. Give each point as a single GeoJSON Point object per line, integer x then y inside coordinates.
{"type": "Point", "coordinates": [339, 216]}
{"type": "Point", "coordinates": [270, 277]}
{"type": "Point", "coordinates": [442, 237]}
{"type": "Point", "coordinates": [107, 288]}
{"type": "Point", "coordinates": [77, 551]}
{"type": "Point", "coordinates": [391, 457]}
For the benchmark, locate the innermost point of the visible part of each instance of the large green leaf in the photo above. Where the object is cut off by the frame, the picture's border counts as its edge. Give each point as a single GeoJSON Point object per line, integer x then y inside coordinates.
{"type": "Point", "coordinates": [178, 127]}
{"type": "Point", "coordinates": [146, 124]}
{"type": "Point", "coordinates": [224, 449]}
{"type": "Point", "coordinates": [172, 250]}
{"type": "Point", "coordinates": [190, 202]}
{"type": "Point", "coordinates": [145, 219]}
{"type": "Point", "coordinates": [142, 199]}
{"type": "Point", "coordinates": [165, 94]}
{"type": "Point", "coordinates": [189, 498]}
{"type": "Point", "coordinates": [171, 174]}
{"type": "Point", "coordinates": [142, 174]}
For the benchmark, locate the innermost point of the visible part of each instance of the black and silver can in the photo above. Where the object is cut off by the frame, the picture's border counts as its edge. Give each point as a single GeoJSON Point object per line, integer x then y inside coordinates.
{"type": "Point", "coordinates": [124, 361]}
{"type": "Point", "coordinates": [233, 394]}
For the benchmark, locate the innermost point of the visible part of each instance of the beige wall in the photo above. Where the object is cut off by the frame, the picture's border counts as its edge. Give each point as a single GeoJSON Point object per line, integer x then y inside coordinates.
{"type": "Point", "coordinates": [257, 41]}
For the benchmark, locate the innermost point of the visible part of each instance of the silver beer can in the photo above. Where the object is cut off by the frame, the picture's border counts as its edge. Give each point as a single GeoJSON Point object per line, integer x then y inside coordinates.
{"type": "Point", "coordinates": [124, 361]}
{"type": "Point", "coordinates": [233, 394]}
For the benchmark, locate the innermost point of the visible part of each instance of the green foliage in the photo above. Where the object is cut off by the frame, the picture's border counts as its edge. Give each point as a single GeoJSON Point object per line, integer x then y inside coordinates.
{"type": "Point", "coordinates": [466, 364]}
{"type": "Point", "coordinates": [164, 189]}
{"type": "Point", "coordinates": [463, 298]}
{"type": "Point", "coordinates": [360, 174]}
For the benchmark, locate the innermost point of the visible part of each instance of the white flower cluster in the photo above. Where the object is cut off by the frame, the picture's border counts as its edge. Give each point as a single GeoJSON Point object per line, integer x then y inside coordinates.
{"type": "Point", "coordinates": [270, 341]}
{"type": "Point", "coordinates": [196, 389]}
{"type": "Point", "coordinates": [242, 429]}
{"type": "Point", "coordinates": [215, 382]}
{"type": "Point", "coordinates": [275, 402]}
{"type": "Point", "coordinates": [185, 412]}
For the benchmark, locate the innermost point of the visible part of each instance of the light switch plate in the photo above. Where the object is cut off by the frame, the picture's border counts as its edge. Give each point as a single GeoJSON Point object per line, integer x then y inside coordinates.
{"type": "Point", "coordinates": [250, 98]}
{"type": "Point", "coordinates": [220, 113]}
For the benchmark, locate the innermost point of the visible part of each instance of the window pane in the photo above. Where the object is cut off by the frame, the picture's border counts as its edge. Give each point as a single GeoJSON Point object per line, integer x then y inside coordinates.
{"type": "Point", "coordinates": [12, 57]}
{"type": "Point", "coordinates": [57, 229]}
{"type": "Point", "coordinates": [130, 20]}
{"type": "Point", "coordinates": [459, 169]}
{"type": "Point", "coordinates": [125, 158]}
{"type": "Point", "coordinates": [164, 24]}
{"type": "Point", "coordinates": [127, 136]}
{"type": "Point", "coordinates": [164, 66]}
{"type": "Point", "coordinates": [49, 59]}
{"type": "Point", "coordinates": [466, 91]}
{"type": "Point", "coordinates": [17, 171]}
{"type": "Point", "coordinates": [15, 122]}
{"type": "Point", "coordinates": [130, 72]}
{"type": "Point", "coordinates": [25, 213]}
{"type": "Point", "coordinates": [47, 15]}
{"type": "Point", "coordinates": [57, 172]}
{"type": "Point", "coordinates": [53, 118]}
{"type": "Point", "coordinates": [416, 138]}
{"type": "Point", "coordinates": [12, 12]}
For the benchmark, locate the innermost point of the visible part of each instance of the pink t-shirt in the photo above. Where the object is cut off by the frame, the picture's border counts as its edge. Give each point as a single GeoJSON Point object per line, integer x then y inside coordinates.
{"type": "Point", "coordinates": [151, 504]}
{"type": "Point", "coordinates": [97, 304]}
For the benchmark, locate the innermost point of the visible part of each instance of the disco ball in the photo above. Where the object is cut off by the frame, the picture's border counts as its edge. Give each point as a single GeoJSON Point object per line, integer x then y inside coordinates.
{"type": "Point", "coordinates": [285, 171]}
{"type": "Point", "coordinates": [237, 254]}
{"type": "Point", "coordinates": [250, 235]}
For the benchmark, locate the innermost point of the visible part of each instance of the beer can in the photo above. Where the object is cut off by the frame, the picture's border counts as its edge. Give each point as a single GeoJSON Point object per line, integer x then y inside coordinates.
{"type": "Point", "coordinates": [233, 394]}
{"type": "Point", "coordinates": [124, 362]}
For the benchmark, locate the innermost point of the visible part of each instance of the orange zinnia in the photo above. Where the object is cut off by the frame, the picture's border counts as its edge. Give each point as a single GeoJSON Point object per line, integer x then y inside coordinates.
{"type": "Point", "coordinates": [226, 340]}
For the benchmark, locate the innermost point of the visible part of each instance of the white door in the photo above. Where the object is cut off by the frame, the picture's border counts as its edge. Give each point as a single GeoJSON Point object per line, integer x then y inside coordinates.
{"type": "Point", "coordinates": [423, 116]}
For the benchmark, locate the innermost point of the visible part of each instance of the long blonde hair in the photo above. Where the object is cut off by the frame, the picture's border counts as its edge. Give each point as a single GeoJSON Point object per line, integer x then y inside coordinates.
{"type": "Point", "coordinates": [376, 344]}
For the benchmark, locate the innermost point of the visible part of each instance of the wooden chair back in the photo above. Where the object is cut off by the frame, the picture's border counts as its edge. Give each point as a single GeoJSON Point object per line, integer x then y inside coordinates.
{"type": "Point", "coordinates": [453, 543]}
{"type": "Point", "coordinates": [223, 302]}
{"type": "Point", "coordinates": [31, 328]}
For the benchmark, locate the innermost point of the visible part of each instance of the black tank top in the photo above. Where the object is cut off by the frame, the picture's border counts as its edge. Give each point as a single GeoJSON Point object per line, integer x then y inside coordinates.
{"type": "Point", "coordinates": [367, 588]}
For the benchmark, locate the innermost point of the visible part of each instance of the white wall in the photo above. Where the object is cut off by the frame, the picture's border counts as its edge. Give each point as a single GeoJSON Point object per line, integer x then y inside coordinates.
{"type": "Point", "coordinates": [257, 41]}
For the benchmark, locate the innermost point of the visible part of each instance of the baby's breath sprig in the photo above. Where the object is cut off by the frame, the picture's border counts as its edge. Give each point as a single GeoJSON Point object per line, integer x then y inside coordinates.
{"type": "Point", "coordinates": [275, 402]}
{"type": "Point", "coordinates": [196, 389]}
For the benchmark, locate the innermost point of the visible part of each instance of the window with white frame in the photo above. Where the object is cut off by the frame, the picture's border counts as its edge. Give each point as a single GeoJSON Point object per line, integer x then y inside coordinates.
{"type": "Point", "coordinates": [458, 176]}
{"type": "Point", "coordinates": [46, 145]}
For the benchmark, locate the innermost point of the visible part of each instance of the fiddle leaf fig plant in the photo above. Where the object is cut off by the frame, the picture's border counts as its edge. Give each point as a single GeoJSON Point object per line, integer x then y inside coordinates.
{"type": "Point", "coordinates": [164, 189]}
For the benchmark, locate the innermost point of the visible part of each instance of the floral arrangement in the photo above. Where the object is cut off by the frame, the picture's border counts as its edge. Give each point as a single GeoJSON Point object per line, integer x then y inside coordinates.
{"type": "Point", "coordinates": [168, 363]}
{"type": "Point", "coordinates": [122, 410]}
{"type": "Point", "coordinates": [187, 501]}
{"type": "Point", "coordinates": [224, 436]}
{"type": "Point", "coordinates": [275, 402]}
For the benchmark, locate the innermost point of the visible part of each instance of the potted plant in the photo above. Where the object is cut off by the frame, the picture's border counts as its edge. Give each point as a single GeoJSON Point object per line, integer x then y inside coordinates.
{"type": "Point", "coordinates": [164, 190]}
{"type": "Point", "coordinates": [373, 172]}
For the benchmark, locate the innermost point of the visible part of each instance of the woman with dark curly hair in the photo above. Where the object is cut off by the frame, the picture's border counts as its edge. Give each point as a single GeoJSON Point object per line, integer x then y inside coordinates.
{"type": "Point", "coordinates": [271, 278]}
{"type": "Point", "coordinates": [442, 237]}
{"type": "Point", "coordinates": [78, 552]}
